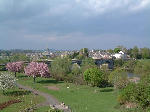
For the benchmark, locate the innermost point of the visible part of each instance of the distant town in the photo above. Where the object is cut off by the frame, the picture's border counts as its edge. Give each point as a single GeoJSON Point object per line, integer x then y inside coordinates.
{"type": "Point", "coordinates": [101, 57]}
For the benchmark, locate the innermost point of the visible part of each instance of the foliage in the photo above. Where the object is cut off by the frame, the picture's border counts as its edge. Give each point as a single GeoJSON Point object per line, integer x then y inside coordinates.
{"type": "Point", "coordinates": [76, 69]}
{"type": "Point", "coordinates": [87, 63]}
{"type": "Point", "coordinates": [60, 67]}
{"type": "Point", "coordinates": [2, 68]}
{"type": "Point", "coordinates": [94, 76]}
{"type": "Point", "coordinates": [84, 52]}
{"type": "Point", "coordinates": [137, 93]}
{"type": "Point", "coordinates": [135, 53]}
{"type": "Point", "coordinates": [4, 60]}
{"type": "Point", "coordinates": [118, 78]}
{"type": "Point", "coordinates": [130, 65]}
{"type": "Point", "coordinates": [127, 94]}
{"type": "Point", "coordinates": [117, 50]}
{"type": "Point", "coordinates": [74, 55]}
{"type": "Point", "coordinates": [118, 63]}
{"type": "Point", "coordinates": [142, 68]}
{"type": "Point", "coordinates": [7, 81]}
{"type": "Point", "coordinates": [145, 52]}
{"type": "Point", "coordinates": [15, 66]}
{"type": "Point", "coordinates": [37, 70]}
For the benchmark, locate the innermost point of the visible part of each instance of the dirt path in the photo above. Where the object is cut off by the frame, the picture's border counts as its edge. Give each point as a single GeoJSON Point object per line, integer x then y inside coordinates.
{"type": "Point", "coordinates": [50, 100]}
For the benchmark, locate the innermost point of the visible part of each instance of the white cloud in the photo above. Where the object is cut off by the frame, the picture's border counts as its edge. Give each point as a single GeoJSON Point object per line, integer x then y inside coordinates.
{"type": "Point", "coordinates": [142, 4]}
{"type": "Point", "coordinates": [103, 6]}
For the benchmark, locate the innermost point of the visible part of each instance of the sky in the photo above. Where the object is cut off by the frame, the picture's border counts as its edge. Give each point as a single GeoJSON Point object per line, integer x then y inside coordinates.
{"type": "Point", "coordinates": [74, 24]}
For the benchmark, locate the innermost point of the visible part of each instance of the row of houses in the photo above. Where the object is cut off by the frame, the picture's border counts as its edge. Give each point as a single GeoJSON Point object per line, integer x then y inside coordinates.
{"type": "Point", "coordinates": [106, 55]}
{"type": "Point", "coordinates": [93, 54]}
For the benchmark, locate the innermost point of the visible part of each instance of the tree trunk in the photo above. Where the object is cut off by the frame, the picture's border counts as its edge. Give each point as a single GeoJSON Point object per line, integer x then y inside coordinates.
{"type": "Point", "coordinates": [15, 74]}
{"type": "Point", "coordinates": [34, 78]}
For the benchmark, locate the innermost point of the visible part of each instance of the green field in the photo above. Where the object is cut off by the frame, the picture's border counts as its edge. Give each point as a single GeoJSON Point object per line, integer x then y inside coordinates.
{"type": "Point", "coordinates": [79, 98]}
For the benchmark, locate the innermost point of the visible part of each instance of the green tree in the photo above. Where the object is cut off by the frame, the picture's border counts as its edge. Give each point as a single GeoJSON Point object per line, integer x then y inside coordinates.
{"type": "Point", "coordinates": [60, 68]}
{"type": "Point", "coordinates": [116, 50]}
{"type": "Point", "coordinates": [83, 53]}
{"type": "Point", "coordinates": [87, 63]}
{"type": "Point", "coordinates": [145, 52]}
{"type": "Point", "coordinates": [142, 68]}
{"type": "Point", "coordinates": [130, 65]}
{"type": "Point", "coordinates": [94, 76]}
{"type": "Point", "coordinates": [135, 53]}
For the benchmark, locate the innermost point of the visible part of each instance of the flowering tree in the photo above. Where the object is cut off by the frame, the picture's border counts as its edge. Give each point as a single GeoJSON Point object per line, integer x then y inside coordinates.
{"type": "Point", "coordinates": [15, 66]}
{"type": "Point", "coordinates": [36, 69]}
{"type": "Point", "coordinates": [7, 81]}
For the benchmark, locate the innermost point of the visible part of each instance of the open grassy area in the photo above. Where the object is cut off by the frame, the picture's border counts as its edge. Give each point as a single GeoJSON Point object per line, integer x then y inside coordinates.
{"type": "Point", "coordinates": [26, 97]}
{"type": "Point", "coordinates": [79, 98]}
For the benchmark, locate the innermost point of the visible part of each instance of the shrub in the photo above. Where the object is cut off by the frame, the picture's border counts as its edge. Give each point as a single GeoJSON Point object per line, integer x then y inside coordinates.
{"type": "Point", "coordinates": [94, 76]}
{"type": "Point", "coordinates": [142, 93]}
{"type": "Point", "coordinates": [7, 81]}
{"type": "Point", "coordinates": [137, 93]}
{"type": "Point", "coordinates": [76, 79]}
{"type": "Point", "coordinates": [119, 78]}
{"type": "Point", "coordinates": [2, 68]}
{"type": "Point", "coordinates": [76, 69]}
{"type": "Point", "coordinates": [127, 94]}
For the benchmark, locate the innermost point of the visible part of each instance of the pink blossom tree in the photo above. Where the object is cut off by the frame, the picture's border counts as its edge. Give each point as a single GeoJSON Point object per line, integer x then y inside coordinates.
{"type": "Point", "coordinates": [15, 66]}
{"type": "Point", "coordinates": [36, 69]}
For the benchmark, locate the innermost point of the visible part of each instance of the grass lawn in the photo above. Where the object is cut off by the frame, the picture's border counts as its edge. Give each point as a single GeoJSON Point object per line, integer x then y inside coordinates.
{"type": "Point", "coordinates": [27, 99]}
{"type": "Point", "coordinates": [79, 98]}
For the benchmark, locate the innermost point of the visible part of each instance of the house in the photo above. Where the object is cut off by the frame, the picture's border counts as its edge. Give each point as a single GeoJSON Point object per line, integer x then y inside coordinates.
{"type": "Point", "coordinates": [120, 55]}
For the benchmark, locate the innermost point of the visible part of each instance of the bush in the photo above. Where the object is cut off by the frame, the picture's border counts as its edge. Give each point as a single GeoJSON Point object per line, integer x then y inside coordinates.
{"type": "Point", "coordinates": [127, 94]}
{"type": "Point", "coordinates": [137, 93]}
{"type": "Point", "coordinates": [119, 78]}
{"type": "Point", "coordinates": [94, 76]}
{"type": "Point", "coordinates": [2, 68]}
{"type": "Point", "coordinates": [76, 79]}
{"type": "Point", "coordinates": [76, 69]}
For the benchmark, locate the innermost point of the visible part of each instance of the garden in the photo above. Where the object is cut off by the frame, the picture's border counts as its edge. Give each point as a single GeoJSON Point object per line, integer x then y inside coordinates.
{"type": "Point", "coordinates": [65, 87]}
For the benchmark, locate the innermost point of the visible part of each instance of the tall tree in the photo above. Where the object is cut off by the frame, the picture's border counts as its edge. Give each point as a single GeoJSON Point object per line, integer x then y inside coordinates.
{"type": "Point", "coordinates": [145, 52]}
{"type": "Point", "coordinates": [60, 67]}
{"type": "Point", "coordinates": [135, 52]}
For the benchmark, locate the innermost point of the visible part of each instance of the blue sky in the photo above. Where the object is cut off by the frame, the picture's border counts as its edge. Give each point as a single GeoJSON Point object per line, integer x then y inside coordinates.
{"type": "Point", "coordinates": [74, 24]}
